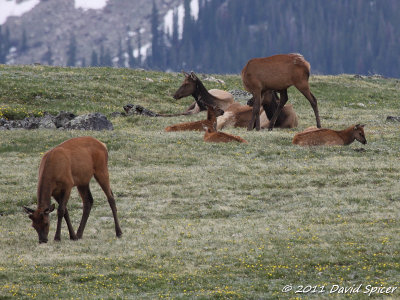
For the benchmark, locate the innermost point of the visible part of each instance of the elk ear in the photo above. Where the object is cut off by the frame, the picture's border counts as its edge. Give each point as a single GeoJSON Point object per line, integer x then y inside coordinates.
{"type": "Point", "coordinates": [193, 76]}
{"type": "Point", "coordinates": [186, 74]}
{"type": "Point", "coordinates": [356, 126]}
{"type": "Point", "coordinates": [363, 125]}
{"type": "Point", "coordinates": [49, 209]}
{"type": "Point", "coordinates": [28, 210]}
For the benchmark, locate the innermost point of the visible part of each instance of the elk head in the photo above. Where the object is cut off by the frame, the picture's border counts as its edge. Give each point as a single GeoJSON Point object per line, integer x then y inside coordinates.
{"type": "Point", "coordinates": [188, 86]}
{"type": "Point", "coordinates": [359, 134]}
{"type": "Point", "coordinates": [40, 221]}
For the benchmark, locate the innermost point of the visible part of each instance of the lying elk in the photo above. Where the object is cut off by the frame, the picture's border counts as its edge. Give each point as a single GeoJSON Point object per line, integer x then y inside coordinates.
{"type": "Point", "coordinates": [277, 73]}
{"type": "Point", "coordinates": [213, 136]}
{"type": "Point", "coordinates": [321, 136]}
{"type": "Point", "coordinates": [192, 85]}
{"type": "Point", "coordinates": [239, 115]}
{"type": "Point", "coordinates": [72, 163]}
{"type": "Point", "coordinates": [195, 126]}
{"type": "Point", "coordinates": [218, 99]}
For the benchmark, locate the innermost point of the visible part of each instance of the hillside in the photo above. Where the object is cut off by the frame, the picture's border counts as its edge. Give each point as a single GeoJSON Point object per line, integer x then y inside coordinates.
{"type": "Point", "coordinates": [253, 221]}
{"type": "Point", "coordinates": [213, 36]}
{"type": "Point", "coordinates": [52, 24]}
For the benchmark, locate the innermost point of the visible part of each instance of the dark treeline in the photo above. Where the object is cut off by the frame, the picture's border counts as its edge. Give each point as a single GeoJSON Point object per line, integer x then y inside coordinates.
{"type": "Point", "coordinates": [341, 36]}
{"type": "Point", "coordinates": [335, 36]}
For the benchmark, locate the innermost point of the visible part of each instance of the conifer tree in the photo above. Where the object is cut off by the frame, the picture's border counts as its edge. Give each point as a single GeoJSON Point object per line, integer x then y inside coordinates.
{"type": "Point", "coordinates": [131, 58]}
{"type": "Point", "coordinates": [94, 61]}
{"type": "Point", "coordinates": [24, 43]}
{"type": "Point", "coordinates": [155, 40]}
{"type": "Point", "coordinates": [139, 43]}
{"type": "Point", "coordinates": [71, 52]}
{"type": "Point", "coordinates": [120, 55]}
{"type": "Point", "coordinates": [48, 56]}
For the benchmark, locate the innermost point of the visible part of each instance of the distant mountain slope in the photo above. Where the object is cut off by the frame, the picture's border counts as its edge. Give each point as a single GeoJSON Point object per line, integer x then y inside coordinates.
{"type": "Point", "coordinates": [52, 23]}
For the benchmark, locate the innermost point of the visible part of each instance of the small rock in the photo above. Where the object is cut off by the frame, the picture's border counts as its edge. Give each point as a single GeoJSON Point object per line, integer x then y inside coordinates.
{"type": "Point", "coordinates": [62, 118]}
{"type": "Point", "coordinates": [47, 122]}
{"type": "Point", "coordinates": [131, 109]}
{"type": "Point", "coordinates": [392, 118]}
{"type": "Point", "coordinates": [94, 121]}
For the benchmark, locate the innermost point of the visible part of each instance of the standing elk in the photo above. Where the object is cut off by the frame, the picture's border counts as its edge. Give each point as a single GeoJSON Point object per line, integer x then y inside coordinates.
{"type": "Point", "coordinates": [322, 136]}
{"type": "Point", "coordinates": [72, 163]}
{"type": "Point", "coordinates": [261, 76]}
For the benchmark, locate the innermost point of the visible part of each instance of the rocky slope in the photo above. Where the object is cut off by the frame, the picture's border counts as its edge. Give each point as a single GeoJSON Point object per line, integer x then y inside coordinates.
{"type": "Point", "coordinates": [52, 23]}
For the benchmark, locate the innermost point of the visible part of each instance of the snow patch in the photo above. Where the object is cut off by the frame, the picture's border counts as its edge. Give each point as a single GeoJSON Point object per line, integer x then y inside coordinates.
{"type": "Point", "coordinates": [169, 17]}
{"type": "Point", "coordinates": [143, 51]}
{"type": "Point", "coordinates": [10, 8]}
{"type": "Point", "coordinates": [90, 4]}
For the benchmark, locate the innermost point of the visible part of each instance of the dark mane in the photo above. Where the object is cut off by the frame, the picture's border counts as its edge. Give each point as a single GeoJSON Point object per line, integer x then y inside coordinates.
{"type": "Point", "coordinates": [203, 97]}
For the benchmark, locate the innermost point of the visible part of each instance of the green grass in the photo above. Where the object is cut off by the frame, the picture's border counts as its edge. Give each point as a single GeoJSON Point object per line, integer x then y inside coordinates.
{"type": "Point", "coordinates": [204, 220]}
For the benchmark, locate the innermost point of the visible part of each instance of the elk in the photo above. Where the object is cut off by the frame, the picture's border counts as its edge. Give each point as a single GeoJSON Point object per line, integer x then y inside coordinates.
{"type": "Point", "coordinates": [212, 135]}
{"type": "Point", "coordinates": [218, 99]}
{"type": "Point", "coordinates": [261, 76]}
{"type": "Point", "coordinates": [239, 115]}
{"type": "Point", "coordinates": [322, 136]}
{"type": "Point", "coordinates": [192, 85]}
{"type": "Point", "coordinates": [72, 163]}
{"type": "Point", "coordinates": [195, 126]}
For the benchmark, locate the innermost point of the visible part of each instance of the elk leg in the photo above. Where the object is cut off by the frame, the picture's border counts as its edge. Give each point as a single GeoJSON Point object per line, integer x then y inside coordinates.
{"type": "Point", "coordinates": [87, 200]}
{"type": "Point", "coordinates": [104, 182]}
{"type": "Point", "coordinates": [255, 117]}
{"type": "Point", "coordinates": [72, 234]}
{"type": "Point", "coordinates": [71, 231]}
{"type": "Point", "coordinates": [313, 101]}
{"type": "Point", "coordinates": [282, 102]}
{"type": "Point", "coordinates": [62, 203]}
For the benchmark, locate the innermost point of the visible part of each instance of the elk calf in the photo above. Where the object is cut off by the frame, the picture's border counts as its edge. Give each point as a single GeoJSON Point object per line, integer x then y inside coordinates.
{"type": "Point", "coordinates": [322, 136]}
{"type": "Point", "coordinates": [213, 136]}
{"type": "Point", "coordinates": [72, 163]}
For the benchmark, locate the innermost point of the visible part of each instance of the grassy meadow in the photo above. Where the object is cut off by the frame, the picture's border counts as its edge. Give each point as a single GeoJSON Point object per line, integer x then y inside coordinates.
{"type": "Point", "coordinates": [258, 221]}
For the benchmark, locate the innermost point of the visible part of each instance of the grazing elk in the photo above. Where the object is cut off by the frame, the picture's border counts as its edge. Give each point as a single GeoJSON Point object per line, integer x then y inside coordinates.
{"type": "Point", "coordinates": [72, 163]}
{"type": "Point", "coordinates": [321, 136]}
{"type": "Point", "coordinates": [213, 136]}
{"type": "Point", "coordinates": [261, 76]}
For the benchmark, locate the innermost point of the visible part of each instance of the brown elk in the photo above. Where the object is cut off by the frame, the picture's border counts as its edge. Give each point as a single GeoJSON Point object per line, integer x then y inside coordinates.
{"type": "Point", "coordinates": [261, 76]}
{"type": "Point", "coordinates": [218, 99]}
{"type": "Point", "coordinates": [322, 136]}
{"type": "Point", "coordinates": [72, 163]}
{"type": "Point", "coordinates": [192, 85]}
{"type": "Point", "coordinates": [213, 136]}
{"type": "Point", "coordinates": [195, 126]}
{"type": "Point", "coordinates": [239, 115]}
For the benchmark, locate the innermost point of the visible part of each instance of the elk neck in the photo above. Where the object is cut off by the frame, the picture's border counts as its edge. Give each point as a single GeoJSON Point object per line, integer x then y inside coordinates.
{"type": "Point", "coordinates": [346, 135]}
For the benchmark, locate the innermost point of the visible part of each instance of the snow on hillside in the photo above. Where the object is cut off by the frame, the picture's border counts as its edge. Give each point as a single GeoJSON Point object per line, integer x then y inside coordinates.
{"type": "Point", "coordinates": [10, 8]}
{"type": "Point", "coordinates": [90, 4]}
{"type": "Point", "coordinates": [168, 18]}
